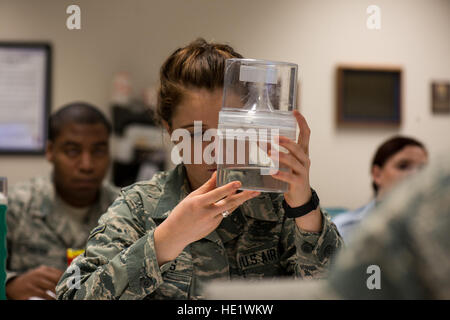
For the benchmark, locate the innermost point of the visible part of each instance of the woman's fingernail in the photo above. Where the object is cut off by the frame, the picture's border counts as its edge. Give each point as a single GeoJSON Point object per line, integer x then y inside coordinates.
{"type": "Point", "coordinates": [237, 185]}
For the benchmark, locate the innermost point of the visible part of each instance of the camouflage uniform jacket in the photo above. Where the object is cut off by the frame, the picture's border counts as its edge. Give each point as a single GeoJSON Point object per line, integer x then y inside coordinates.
{"type": "Point", "coordinates": [256, 241]}
{"type": "Point", "coordinates": [37, 234]}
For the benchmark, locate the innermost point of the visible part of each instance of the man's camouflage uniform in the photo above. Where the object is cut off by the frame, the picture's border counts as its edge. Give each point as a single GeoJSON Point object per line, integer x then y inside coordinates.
{"type": "Point", "coordinates": [255, 241]}
{"type": "Point", "coordinates": [37, 234]}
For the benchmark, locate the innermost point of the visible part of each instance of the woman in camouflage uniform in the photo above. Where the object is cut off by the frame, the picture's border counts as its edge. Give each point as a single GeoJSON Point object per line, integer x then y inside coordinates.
{"type": "Point", "coordinates": [164, 238]}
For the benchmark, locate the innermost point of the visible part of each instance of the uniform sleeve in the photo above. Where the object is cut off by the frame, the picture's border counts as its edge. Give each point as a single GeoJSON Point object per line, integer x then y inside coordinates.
{"type": "Point", "coordinates": [119, 261]}
{"type": "Point", "coordinates": [310, 254]}
{"type": "Point", "coordinates": [17, 201]}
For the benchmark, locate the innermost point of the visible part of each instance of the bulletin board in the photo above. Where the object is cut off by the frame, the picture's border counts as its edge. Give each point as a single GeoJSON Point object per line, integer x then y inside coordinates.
{"type": "Point", "coordinates": [25, 96]}
{"type": "Point", "coordinates": [368, 96]}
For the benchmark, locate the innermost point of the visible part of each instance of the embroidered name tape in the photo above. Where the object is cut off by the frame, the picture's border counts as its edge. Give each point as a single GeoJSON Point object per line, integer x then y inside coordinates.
{"type": "Point", "coordinates": [258, 258]}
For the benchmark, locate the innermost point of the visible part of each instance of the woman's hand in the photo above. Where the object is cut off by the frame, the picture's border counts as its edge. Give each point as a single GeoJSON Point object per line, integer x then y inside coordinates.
{"type": "Point", "coordinates": [297, 160]}
{"type": "Point", "coordinates": [199, 214]}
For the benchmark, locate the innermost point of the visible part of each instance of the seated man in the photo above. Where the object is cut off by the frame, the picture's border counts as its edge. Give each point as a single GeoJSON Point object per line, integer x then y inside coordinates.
{"type": "Point", "coordinates": [48, 215]}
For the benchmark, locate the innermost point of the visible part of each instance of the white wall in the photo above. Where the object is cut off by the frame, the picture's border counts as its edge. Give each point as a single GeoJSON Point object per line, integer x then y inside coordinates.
{"type": "Point", "coordinates": [138, 35]}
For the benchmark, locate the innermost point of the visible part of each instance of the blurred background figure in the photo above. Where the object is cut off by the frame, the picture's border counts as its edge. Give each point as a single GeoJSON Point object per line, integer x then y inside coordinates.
{"type": "Point", "coordinates": [49, 215]}
{"type": "Point", "coordinates": [395, 159]}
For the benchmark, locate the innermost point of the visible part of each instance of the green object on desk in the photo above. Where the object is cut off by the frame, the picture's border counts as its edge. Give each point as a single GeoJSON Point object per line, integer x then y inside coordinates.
{"type": "Point", "coordinates": [3, 252]}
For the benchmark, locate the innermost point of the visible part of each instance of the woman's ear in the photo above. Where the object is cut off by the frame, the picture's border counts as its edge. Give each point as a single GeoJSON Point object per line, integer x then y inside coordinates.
{"type": "Point", "coordinates": [167, 126]}
{"type": "Point", "coordinates": [376, 174]}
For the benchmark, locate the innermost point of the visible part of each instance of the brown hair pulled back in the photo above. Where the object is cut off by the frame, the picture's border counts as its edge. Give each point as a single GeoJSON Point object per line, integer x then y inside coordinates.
{"type": "Point", "coordinates": [199, 65]}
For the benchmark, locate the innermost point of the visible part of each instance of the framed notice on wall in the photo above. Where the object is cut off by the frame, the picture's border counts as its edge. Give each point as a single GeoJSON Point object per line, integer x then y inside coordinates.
{"type": "Point", "coordinates": [25, 90]}
{"type": "Point", "coordinates": [440, 94]}
{"type": "Point", "coordinates": [368, 96]}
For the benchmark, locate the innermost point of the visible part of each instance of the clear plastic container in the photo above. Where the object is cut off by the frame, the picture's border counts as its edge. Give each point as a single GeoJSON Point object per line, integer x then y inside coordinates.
{"type": "Point", "coordinates": [258, 100]}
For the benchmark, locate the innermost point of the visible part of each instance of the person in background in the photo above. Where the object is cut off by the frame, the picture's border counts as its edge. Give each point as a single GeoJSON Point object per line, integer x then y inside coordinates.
{"type": "Point", "coordinates": [395, 159]}
{"type": "Point", "coordinates": [165, 238]}
{"type": "Point", "coordinates": [50, 214]}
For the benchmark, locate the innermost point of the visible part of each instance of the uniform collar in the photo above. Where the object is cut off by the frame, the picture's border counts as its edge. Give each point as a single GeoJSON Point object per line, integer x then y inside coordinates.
{"type": "Point", "coordinates": [260, 208]}
{"type": "Point", "coordinates": [367, 208]}
{"type": "Point", "coordinates": [175, 189]}
{"type": "Point", "coordinates": [43, 204]}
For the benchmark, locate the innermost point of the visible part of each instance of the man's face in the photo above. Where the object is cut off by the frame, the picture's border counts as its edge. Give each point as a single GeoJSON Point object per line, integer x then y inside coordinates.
{"type": "Point", "coordinates": [80, 158]}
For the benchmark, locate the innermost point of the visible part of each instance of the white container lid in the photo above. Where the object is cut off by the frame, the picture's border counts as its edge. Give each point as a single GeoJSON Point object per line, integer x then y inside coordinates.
{"type": "Point", "coordinates": [260, 85]}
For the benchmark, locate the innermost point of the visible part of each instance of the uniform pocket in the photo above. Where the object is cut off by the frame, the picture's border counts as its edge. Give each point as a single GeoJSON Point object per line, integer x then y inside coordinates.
{"type": "Point", "coordinates": [178, 278]}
